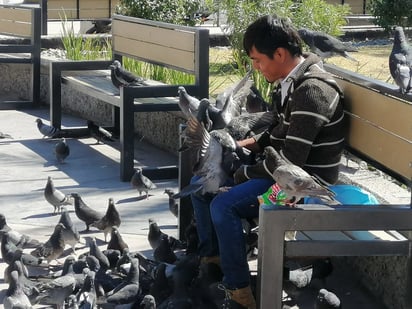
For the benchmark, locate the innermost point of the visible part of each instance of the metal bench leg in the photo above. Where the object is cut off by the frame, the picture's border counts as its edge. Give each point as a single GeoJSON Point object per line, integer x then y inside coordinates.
{"type": "Point", "coordinates": [55, 95]}
{"type": "Point", "coordinates": [270, 261]}
{"type": "Point", "coordinates": [126, 136]}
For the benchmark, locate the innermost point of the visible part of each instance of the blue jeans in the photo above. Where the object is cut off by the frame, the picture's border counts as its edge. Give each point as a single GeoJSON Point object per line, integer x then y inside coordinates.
{"type": "Point", "coordinates": [218, 220]}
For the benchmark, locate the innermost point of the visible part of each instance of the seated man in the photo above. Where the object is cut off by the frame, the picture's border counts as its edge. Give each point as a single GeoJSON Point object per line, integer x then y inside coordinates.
{"type": "Point", "coordinates": [307, 130]}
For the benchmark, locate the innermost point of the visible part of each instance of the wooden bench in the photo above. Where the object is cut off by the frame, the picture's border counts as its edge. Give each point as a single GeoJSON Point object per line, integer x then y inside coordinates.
{"type": "Point", "coordinates": [181, 48]}
{"type": "Point", "coordinates": [380, 133]}
{"type": "Point", "coordinates": [22, 25]}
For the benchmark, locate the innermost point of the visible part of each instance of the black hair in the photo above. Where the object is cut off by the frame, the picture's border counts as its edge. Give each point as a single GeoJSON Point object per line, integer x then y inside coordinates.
{"type": "Point", "coordinates": [268, 33]}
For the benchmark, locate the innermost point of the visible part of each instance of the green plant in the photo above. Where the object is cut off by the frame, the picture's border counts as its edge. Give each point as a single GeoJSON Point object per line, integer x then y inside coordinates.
{"type": "Point", "coordinates": [391, 13]}
{"type": "Point", "coordinates": [172, 11]}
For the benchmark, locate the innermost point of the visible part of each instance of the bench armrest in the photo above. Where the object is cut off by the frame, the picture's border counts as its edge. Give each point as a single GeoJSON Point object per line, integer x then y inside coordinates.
{"type": "Point", "coordinates": [56, 67]}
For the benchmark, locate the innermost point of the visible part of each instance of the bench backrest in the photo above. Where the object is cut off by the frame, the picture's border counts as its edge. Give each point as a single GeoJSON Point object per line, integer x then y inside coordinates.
{"type": "Point", "coordinates": [380, 123]}
{"type": "Point", "coordinates": [84, 9]}
{"type": "Point", "coordinates": [173, 46]}
{"type": "Point", "coordinates": [20, 21]}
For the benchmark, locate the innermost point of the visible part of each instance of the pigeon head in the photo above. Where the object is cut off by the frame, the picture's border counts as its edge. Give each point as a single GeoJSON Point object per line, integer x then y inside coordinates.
{"type": "Point", "coordinates": [399, 37]}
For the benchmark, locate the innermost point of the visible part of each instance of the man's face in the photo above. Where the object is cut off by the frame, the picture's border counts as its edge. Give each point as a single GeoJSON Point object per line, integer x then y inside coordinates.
{"type": "Point", "coordinates": [271, 69]}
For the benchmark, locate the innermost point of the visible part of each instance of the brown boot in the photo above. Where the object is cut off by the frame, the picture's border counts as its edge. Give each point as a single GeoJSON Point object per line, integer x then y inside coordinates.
{"type": "Point", "coordinates": [243, 297]}
{"type": "Point", "coordinates": [210, 259]}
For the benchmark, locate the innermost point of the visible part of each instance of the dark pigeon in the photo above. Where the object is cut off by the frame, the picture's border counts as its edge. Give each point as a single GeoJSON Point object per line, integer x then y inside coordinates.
{"type": "Point", "coordinates": [84, 212]}
{"type": "Point", "coordinates": [100, 26]}
{"type": "Point", "coordinates": [116, 241]}
{"type": "Point", "coordinates": [163, 252]}
{"type": "Point", "coordinates": [61, 150]}
{"type": "Point", "coordinates": [55, 197]}
{"type": "Point", "coordinates": [111, 218]}
{"type": "Point", "coordinates": [5, 135]}
{"type": "Point", "coordinates": [142, 183]}
{"type": "Point", "coordinates": [53, 248]}
{"type": "Point", "coordinates": [47, 130]}
{"type": "Point", "coordinates": [173, 203]}
{"type": "Point", "coordinates": [95, 251]}
{"type": "Point", "coordinates": [121, 77]}
{"type": "Point", "coordinates": [70, 234]}
{"type": "Point", "coordinates": [154, 235]}
{"type": "Point", "coordinates": [400, 61]}
{"type": "Point", "coordinates": [327, 300]}
{"type": "Point", "coordinates": [325, 45]}
{"type": "Point", "coordinates": [100, 134]}
{"type": "Point", "coordinates": [18, 239]}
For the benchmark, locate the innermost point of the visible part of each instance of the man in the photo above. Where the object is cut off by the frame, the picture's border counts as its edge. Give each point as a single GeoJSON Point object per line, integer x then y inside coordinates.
{"type": "Point", "coordinates": [307, 130]}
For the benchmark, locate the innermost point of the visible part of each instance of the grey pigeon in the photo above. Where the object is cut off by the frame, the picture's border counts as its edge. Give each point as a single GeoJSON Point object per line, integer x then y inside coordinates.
{"type": "Point", "coordinates": [121, 77]}
{"type": "Point", "coordinates": [56, 291]}
{"type": "Point", "coordinates": [116, 241]}
{"type": "Point", "coordinates": [173, 204]}
{"type": "Point", "coordinates": [100, 134]}
{"type": "Point", "coordinates": [255, 102]}
{"type": "Point", "coordinates": [100, 26]}
{"type": "Point", "coordinates": [71, 302]}
{"type": "Point", "coordinates": [84, 212]}
{"type": "Point", "coordinates": [3, 224]}
{"type": "Point", "coordinates": [154, 235]}
{"type": "Point", "coordinates": [148, 302]}
{"type": "Point", "coordinates": [47, 130]}
{"type": "Point", "coordinates": [142, 183]}
{"type": "Point", "coordinates": [325, 45]}
{"type": "Point", "coordinates": [327, 300]}
{"type": "Point", "coordinates": [110, 219]}
{"type": "Point", "coordinates": [15, 297]}
{"type": "Point", "coordinates": [294, 180]}
{"type": "Point", "coordinates": [5, 135]}
{"type": "Point", "coordinates": [18, 239]}
{"type": "Point", "coordinates": [188, 104]}
{"type": "Point", "coordinates": [70, 234]}
{"type": "Point", "coordinates": [61, 150]}
{"type": "Point", "coordinates": [400, 61]}
{"type": "Point", "coordinates": [87, 297]}
{"type": "Point", "coordinates": [163, 253]}
{"type": "Point", "coordinates": [10, 253]}
{"type": "Point", "coordinates": [55, 197]}
{"type": "Point", "coordinates": [53, 248]}
{"type": "Point", "coordinates": [95, 251]}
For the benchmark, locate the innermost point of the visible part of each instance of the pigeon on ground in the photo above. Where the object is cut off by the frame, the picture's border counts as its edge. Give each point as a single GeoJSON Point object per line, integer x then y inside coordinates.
{"type": "Point", "coordinates": [18, 239]}
{"type": "Point", "coordinates": [47, 130]}
{"type": "Point", "coordinates": [10, 253]}
{"type": "Point", "coordinates": [110, 219]}
{"type": "Point", "coordinates": [100, 134]}
{"type": "Point", "coordinates": [15, 297]}
{"type": "Point", "coordinates": [142, 183]}
{"type": "Point", "coordinates": [325, 45]}
{"type": "Point", "coordinates": [61, 150]}
{"type": "Point", "coordinates": [121, 77]}
{"type": "Point", "coordinates": [53, 248]}
{"type": "Point", "coordinates": [302, 277]}
{"type": "Point", "coordinates": [155, 234]}
{"type": "Point", "coordinates": [56, 291]}
{"type": "Point", "coordinates": [70, 234]}
{"type": "Point", "coordinates": [71, 302]}
{"type": "Point", "coordinates": [163, 253]}
{"type": "Point", "coordinates": [3, 224]}
{"type": "Point", "coordinates": [95, 251]}
{"type": "Point", "coordinates": [400, 61]}
{"type": "Point", "coordinates": [87, 297]}
{"type": "Point", "coordinates": [116, 241]}
{"type": "Point", "coordinates": [294, 180]}
{"type": "Point", "coordinates": [161, 289]}
{"type": "Point", "coordinates": [55, 197]}
{"type": "Point", "coordinates": [148, 302]}
{"type": "Point", "coordinates": [327, 300]}
{"type": "Point", "coordinates": [5, 135]}
{"type": "Point", "coordinates": [173, 204]}
{"type": "Point", "coordinates": [84, 212]}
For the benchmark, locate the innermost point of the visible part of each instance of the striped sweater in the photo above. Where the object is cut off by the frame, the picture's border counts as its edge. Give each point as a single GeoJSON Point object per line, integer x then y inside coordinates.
{"type": "Point", "coordinates": [308, 130]}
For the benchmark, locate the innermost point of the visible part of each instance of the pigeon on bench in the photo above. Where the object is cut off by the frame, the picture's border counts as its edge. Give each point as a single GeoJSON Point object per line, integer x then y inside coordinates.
{"type": "Point", "coordinates": [400, 61]}
{"type": "Point", "coordinates": [121, 77]}
{"type": "Point", "coordinates": [325, 45]}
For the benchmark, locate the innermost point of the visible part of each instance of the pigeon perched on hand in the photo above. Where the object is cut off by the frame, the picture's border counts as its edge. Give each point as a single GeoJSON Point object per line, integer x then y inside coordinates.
{"type": "Point", "coordinates": [121, 77]}
{"type": "Point", "coordinates": [84, 212]}
{"type": "Point", "coordinates": [55, 197]}
{"type": "Point", "coordinates": [327, 300]}
{"type": "Point", "coordinates": [100, 134]}
{"type": "Point", "coordinates": [110, 219]}
{"type": "Point", "coordinates": [294, 180]}
{"type": "Point", "coordinates": [400, 61]}
{"type": "Point", "coordinates": [47, 130]}
{"type": "Point", "coordinates": [325, 45]}
{"type": "Point", "coordinates": [61, 150]}
{"type": "Point", "coordinates": [142, 183]}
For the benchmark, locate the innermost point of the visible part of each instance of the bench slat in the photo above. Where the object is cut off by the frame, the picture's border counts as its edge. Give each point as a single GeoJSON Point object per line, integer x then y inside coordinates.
{"type": "Point", "coordinates": [326, 235]}
{"type": "Point", "coordinates": [10, 27]}
{"type": "Point", "coordinates": [15, 14]}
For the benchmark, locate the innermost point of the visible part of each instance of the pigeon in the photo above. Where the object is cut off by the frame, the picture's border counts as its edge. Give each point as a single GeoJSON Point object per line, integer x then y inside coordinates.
{"type": "Point", "coordinates": [188, 104]}
{"type": "Point", "coordinates": [87, 297]}
{"type": "Point", "coordinates": [110, 219]}
{"type": "Point", "coordinates": [155, 234]}
{"type": "Point", "coordinates": [56, 291]}
{"type": "Point", "coordinates": [3, 224]}
{"type": "Point", "coordinates": [84, 212]}
{"type": "Point", "coordinates": [47, 130]}
{"type": "Point", "coordinates": [100, 26]}
{"type": "Point", "coordinates": [71, 302]}
{"type": "Point", "coordinates": [18, 239]}
{"type": "Point", "coordinates": [95, 251]}
{"type": "Point", "coordinates": [121, 77]}
{"type": "Point", "coordinates": [319, 269]}
{"type": "Point", "coordinates": [255, 102]}
{"type": "Point", "coordinates": [15, 297]}
{"type": "Point", "coordinates": [61, 150]}
{"type": "Point", "coordinates": [148, 302]}
{"type": "Point", "coordinates": [294, 180]}
{"type": "Point", "coordinates": [5, 135]}
{"type": "Point", "coordinates": [400, 61]}
{"type": "Point", "coordinates": [100, 134]}
{"type": "Point", "coordinates": [142, 183]}
{"type": "Point", "coordinates": [70, 234]}
{"type": "Point", "coordinates": [325, 45]}
{"type": "Point", "coordinates": [53, 248]}
{"type": "Point", "coordinates": [163, 253]}
{"type": "Point", "coordinates": [55, 197]}
{"type": "Point", "coordinates": [10, 253]}
{"type": "Point", "coordinates": [116, 241]}
{"type": "Point", "coordinates": [327, 300]}
{"type": "Point", "coordinates": [173, 204]}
